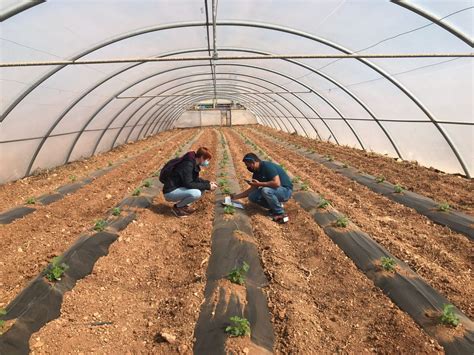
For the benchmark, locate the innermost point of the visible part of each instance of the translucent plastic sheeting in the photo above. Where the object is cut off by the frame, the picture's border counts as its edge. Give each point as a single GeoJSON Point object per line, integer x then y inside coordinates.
{"type": "Point", "coordinates": [387, 105]}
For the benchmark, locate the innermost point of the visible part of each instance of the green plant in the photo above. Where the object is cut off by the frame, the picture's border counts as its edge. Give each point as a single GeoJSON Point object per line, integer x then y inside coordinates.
{"type": "Point", "coordinates": [448, 317]}
{"type": "Point", "coordinates": [380, 179]}
{"type": "Point", "coordinates": [398, 188]}
{"type": "Point", "coordinates": [345, 165]}
{"type": "Point", "coordinates": [445, 207]}
{"type": "Point", "coordinates": [229, 209]}
{"type": "Point", "coordinates": [100, 225]}
{"type": "Point", "coordinates": [147, 183]}
{"type": "Point", "coordinates": [323, 203]}
{"type": "Point", "coordinates": [240, 327]}
{"type": "Point", "coordinates": [2, 322]}
{"type": "Point", "coordinates": [226, 190]}
{"type": "Point", "coordinates": [137, 192]}
{"type": "Point", "coordinates": [30, 201]}
{"type": "Point", "coordinates": [304, 186]}
{"type": "Point", "coordinates": [329, 158]}
{"type": "Point", "coordinates": [342, 222]}
{"type": "Point", "coordinates": [73, 178]}
{"type": "Point", "coordinates": [388, 263]}
{"type": "Point", "coordinates": [156, 173]}
{"type": "Point", "coordinates": [238, 274]}
{"type": "Point", "coordinates": [116, 211]}
{"type": "Point", "coordinates": [109, 163]}
{"type": "Point", "coordinates": [296, 179]}
{"type": "Point", "coordinates": [222, 182]}
{"type": "Point", "coordinates": [55, 270]}
{"type": "Point", "coordinates": [222, 174]}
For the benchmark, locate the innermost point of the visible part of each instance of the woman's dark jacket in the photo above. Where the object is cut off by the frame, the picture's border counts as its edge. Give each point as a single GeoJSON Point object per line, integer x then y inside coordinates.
{"type": "Point", "coordinates": [186, 174]}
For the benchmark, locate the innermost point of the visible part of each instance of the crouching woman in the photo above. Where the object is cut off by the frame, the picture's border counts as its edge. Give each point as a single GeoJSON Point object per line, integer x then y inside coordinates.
{"type": "Point", "coordinates": [183, 185]}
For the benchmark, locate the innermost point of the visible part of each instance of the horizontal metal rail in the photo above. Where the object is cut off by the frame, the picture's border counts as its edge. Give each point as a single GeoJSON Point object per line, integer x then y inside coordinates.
{"type": "Point", "coordinates": [236, 57]}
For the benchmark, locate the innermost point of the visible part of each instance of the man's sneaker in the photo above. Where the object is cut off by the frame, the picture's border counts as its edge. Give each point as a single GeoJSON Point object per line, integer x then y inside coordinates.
{"type": "Point", "coordinates": [281, 218]}
{"type": "Point", "coordinates": [188, 209]}
{"type": "Point", "coordinates": [179, 211]}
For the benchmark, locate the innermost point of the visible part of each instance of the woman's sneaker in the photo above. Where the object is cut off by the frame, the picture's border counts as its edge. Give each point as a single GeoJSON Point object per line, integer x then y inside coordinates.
{"type": "Point", "coordinates": [281, 218]}
{"type": "Point", "coordinates": [179, 211]}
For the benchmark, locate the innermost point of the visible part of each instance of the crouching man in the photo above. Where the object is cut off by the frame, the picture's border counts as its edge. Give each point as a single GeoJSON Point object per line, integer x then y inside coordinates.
{"type": "Point", "coordinates": [269, 187]}
{"type": "Point", "coordinates": [182, 183]}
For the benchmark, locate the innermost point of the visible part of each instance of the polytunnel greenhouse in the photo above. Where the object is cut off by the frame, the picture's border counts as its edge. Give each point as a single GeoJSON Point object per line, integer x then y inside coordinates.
{"type": "Point", "coordinates": [241, 177]}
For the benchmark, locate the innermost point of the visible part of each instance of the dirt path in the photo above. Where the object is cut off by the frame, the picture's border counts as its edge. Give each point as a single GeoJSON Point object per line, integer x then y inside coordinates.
{"type": "Point", "coordinates": [443, 258]}
{"type": "Point", "coordinates": [29, 243]}
{"type": "Point", "coordinates": [151, 282]}
{"type": "Point", "coordinates": [17, 192]}
{"type": "Point", "coordinates": [320, 302]}
{"type": "Point", "coordinates": [456, 190]}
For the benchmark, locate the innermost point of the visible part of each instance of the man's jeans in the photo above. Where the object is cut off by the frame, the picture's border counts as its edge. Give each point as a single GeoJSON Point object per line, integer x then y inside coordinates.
{"type": "Point", "coordinates": [183, 196]}
{"type": "Point", "coordinates": [271, 198]}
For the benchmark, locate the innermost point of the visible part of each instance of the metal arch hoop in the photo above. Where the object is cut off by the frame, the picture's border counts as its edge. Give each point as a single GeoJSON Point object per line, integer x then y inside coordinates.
{"type": "Point", "coordinates": [169, 81]}
{"type": "Point", "coordinates": [191, 75]}
{"type": "Point", "coordinates": [146, 123]}
{"type": "Point", "coordinates": [156, 113]}
{"type": "Point", "coordinates": [237, 94]}
{"type": "Point", "coordinates": [253, 25]}
{"type": "Point", "coordinates": [64, 113]}
{"type": "Point", "coordinates": [186, 83]}
{"type": "Point", "coordinates": [429, 16]}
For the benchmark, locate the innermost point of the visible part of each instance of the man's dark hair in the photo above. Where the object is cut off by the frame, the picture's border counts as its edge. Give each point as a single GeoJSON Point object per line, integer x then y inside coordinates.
{"type": "Point", "coordinates": [251, 157]}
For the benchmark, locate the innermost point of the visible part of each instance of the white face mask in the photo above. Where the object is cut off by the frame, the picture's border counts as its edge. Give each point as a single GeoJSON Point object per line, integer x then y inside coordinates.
{"type": "Point", "coordinates": [205, 163]}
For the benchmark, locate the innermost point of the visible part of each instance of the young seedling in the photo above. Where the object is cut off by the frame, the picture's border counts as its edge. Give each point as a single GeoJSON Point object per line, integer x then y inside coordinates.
{"type": "Point", "coordinates": [116, 211]}
{"type": "Point", "coordinates": [380, 179]}
{"type": "Point", "coordinates": [229, 209]}
{"type": "Point", "coordinates": [238, 274]}
{"type": "Point", "coordinates": [30, 201]}
{"type": "Point", "coordinates": [156, 173]}
{"type": "Point", "coordinates": [388, 263]}
{"type": "Point", "coordinates": [226, 190]}
{"type": "Point", "coordinates": [100, 225]}
{"type": "Point", "coordinates": [222, 182]}
{"type": "Point", "coordinates": [304, 186]}
{"type": "Point", "coordinates": [345, 165]}
{"type": "Point", "coordinates": [323, 203]}
{"type": "Point", "coordinates": [329, 158]}
{"type": "Point", "coordinates": [240, 327]}
{"type": "Point", "coordinates": [296, 179]}
{"type": "Point", "coordinates": [342, 222]}
{"type": "Point", "coordinates": [2, 322]}
{"type": "Point", "coordinates": [398, 189]}
{"type": "Point", "coordinates": [147, 183]}
{"type": "Point", "coordinates": [448, 317]}
{"type": "Point", "coordinates": [137, 192]}
{"type": "Point", "coordinates": [109, 163]}
{"type": "Point", "coordinates": [73, 178]}
{"type": "Point", "coordinates": [444, 207]}
{"type": "Point", "coordinates": [55, 270]}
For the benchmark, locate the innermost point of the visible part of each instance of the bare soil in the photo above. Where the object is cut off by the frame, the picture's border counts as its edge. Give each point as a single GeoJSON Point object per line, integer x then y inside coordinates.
{"type": "Point", "coordinates": [320, 302]}
{"type": "Point", "coordinates": [442, 257]}
{"type": "Point", "coordinates": [457, 190]}
{"type": "Point", "coordinates": [149, 288]}
{"type": "Point", "coordinates": [17, 192]}
{"type": "Point", "coordinates": [29, 243]}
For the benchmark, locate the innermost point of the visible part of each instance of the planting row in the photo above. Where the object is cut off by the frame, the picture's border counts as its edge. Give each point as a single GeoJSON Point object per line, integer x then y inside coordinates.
{"type": "Point", "coordinates": [146, 294]}
{"type": "Point", "coordinates": [440, 213]}
{"type": "Point", "coordinates": [21, 191]}
{"type": "Point", "coordinates": [436, 253]}
{"type": "Point", "coordinates": [454, 190]}
{"type": "Point", "coordinates": [40, 301]}
{"type": "Point", "coordinates": [317, 297]}
{"type": "Point", "coordinates": [412, 294]}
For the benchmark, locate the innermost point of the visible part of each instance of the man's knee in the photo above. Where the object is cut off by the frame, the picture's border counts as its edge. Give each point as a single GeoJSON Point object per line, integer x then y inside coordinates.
{"type": "Point", "coordinates": [267, 191]}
